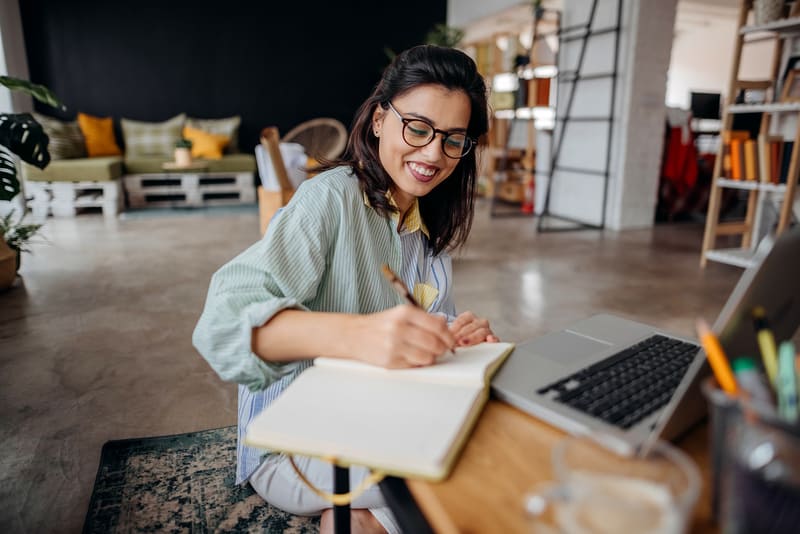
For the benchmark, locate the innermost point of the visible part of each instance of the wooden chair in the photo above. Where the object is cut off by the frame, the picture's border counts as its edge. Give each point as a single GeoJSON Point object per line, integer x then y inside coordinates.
{"type": "Point", "coordinates": [269, 202]}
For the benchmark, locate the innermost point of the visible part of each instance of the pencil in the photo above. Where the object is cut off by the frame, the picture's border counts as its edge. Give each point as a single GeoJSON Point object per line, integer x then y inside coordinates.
{"type": "Point", "coordinates": [401, 289]}
{"type": "Point", "coordinates": [398, 285]}
{"type": "Point", "coordinates": [716, 358]}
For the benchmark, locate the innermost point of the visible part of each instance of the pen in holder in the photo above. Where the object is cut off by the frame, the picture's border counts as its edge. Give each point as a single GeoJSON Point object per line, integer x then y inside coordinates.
{"type": "Point", "coordinates": [755, 461]}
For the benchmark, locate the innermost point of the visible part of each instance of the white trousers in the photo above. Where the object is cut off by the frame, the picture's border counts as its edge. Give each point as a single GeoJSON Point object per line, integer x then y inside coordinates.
{"type": "Point", "coordinates": [277, 483]}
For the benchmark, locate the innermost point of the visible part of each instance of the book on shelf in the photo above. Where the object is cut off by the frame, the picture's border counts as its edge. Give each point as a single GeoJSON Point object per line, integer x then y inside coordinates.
{"type": "Point", "coordinates": [750, 160]}
{"type": "Point", "coordinates": [763, 159]}
{"type": "Point", "coordinates": [737, 159]}
{"type": "Point", "coordinates": [775, 156]}
{"type": "Point", "coordinates": [403, 422]}
{"type": "Point", "coordinates": [785, 159]}
{"type": "Point", "coordinates": [543, 92]}
{"type": "Point", "coordinates": [733, 153]}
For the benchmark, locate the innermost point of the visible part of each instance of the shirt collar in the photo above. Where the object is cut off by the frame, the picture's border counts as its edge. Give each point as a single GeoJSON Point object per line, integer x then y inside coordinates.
{"type": "Point", "coordinates": [413, 220]}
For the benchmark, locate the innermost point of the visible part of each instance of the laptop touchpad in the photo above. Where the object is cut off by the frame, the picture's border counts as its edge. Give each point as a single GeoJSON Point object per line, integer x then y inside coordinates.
{"type": "Point", "coordinates": [567, 348]}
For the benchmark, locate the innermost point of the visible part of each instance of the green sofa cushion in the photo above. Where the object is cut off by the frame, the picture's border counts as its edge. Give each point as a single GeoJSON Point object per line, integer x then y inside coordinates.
{"type": "Point", "coordinates": [228, 163]}
{"type": "Point", "coordinates": [104, 168]}
{"type": "Point", "coordinates": [151, 139]}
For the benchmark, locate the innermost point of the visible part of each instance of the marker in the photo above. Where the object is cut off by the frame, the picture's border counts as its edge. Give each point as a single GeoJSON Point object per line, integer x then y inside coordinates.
{"type": "Point", "coordinates": [766, 342]}
{"type": "Point", "coordinates": [797, 368]}
{"type": "Point", "coordinates": [751, 381]}
{"type": "Point", "coordinates": [716, 358]}
{"type": "Point", "coordinates": [787, 383]}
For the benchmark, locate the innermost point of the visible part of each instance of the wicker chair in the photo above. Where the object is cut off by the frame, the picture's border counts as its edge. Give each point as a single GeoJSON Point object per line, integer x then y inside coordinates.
{"type": "Point", "coordinates": [323, 139]}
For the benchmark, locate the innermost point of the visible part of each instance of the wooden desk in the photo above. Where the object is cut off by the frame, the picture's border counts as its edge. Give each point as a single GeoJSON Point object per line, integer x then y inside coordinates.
{"type": "Point", "coordinates": [507, 454]}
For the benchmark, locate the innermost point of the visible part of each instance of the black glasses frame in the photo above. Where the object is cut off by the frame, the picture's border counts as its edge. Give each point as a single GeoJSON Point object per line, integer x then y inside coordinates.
{"type": "Point", "coordinates": [469, 142]}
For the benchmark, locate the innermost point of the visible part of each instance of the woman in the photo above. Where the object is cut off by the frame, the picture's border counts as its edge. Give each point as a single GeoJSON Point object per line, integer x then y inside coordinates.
{"type": "Point", "coordinates": [402, 195]}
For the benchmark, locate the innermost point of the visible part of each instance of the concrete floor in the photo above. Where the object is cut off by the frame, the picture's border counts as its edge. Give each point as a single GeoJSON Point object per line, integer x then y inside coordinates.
{"type": "Point", "coordinates": [95, 341]}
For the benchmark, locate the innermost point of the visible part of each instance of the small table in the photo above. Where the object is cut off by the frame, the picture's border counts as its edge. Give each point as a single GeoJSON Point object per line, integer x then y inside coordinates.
{"type": "Point", "coordinates": [197, 166]}
{"type": "Point", "coordinates": [506, 455]}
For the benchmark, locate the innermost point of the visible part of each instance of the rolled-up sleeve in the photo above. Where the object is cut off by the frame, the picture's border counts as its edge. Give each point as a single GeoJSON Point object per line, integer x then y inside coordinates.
{"type": "Point", "coordinates": [281, 271]}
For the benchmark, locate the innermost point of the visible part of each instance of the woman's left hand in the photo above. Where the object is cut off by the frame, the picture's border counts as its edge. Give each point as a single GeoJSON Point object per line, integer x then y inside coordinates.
{"type": "Point", "coordinates": [471, 330]}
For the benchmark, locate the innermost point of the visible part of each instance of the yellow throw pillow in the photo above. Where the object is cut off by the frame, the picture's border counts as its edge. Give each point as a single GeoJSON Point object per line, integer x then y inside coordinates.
{"type": "Point", "coordinates": [99, 135]}
{"type": "Point", "coordinates": [206, 145]}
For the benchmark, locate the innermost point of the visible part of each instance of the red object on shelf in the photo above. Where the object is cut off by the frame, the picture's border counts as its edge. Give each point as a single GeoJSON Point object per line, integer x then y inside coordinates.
{"type": "Point", "coordinates": [530, 189]}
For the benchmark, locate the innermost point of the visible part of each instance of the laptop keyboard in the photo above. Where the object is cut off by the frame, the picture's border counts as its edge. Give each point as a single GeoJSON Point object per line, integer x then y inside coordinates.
{"type": "Point", "coordinates": [628, 386]}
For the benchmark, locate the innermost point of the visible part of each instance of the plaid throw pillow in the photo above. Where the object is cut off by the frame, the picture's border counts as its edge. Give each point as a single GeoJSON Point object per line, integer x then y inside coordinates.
{"type": "Point", "coordinates": [66, 139]}
{"type": "Point", "coordinates": [151, 138]}
{"type": "Point", "coordinates": [228, 127]}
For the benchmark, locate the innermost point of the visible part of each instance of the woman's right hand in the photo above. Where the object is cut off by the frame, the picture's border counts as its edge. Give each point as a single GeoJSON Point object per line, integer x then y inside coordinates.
{"type": "Point", "coordinates": [403, 336]}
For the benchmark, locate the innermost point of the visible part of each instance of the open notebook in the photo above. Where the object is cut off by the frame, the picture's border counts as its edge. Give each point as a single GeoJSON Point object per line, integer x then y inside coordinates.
{"type": "Point", "coordinates": [405, 422]}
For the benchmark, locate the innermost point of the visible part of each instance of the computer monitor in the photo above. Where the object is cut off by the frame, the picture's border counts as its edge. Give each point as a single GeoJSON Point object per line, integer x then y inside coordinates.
{"type": "Point", "coordinates": [705, 105]}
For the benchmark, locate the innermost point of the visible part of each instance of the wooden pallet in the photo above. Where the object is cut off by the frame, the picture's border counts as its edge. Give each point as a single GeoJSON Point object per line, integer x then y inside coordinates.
{"type": "Point", "coordinates": [189, 189]}
{"type": "Point", "coordinates": [67, 199]}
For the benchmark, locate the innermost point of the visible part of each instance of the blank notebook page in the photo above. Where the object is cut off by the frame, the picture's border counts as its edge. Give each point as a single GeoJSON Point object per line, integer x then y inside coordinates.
{"type": "Point", "coordinates": [381, 421]}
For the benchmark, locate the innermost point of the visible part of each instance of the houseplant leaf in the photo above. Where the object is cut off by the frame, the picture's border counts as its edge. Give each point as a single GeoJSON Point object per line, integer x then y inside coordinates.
{"type": "Point", "coordinates": [22, 135]}
{"type": "Point", "coordinates": [37, 91]}
{"type": "Point", "coordinates": [9, 185]}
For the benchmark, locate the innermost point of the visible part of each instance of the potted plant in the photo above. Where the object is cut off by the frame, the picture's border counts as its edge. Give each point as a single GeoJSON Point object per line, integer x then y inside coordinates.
{"type": "Point", "coordinates": [20, 136]}
{"type": "Point", "coordinates": [183, 152]}
{"type": "Point", "coordinates": [17, 235]}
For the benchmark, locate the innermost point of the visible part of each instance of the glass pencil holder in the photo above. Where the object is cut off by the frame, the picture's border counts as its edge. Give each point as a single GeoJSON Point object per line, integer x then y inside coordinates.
{"type": "Point", "coordinates": [755, 465]}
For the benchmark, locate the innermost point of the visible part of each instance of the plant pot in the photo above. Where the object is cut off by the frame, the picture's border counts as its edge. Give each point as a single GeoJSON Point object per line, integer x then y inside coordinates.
{"type": "Point", "coordinates": [8, 265]}
{"type": "Point", "coordinates": [183, 157]}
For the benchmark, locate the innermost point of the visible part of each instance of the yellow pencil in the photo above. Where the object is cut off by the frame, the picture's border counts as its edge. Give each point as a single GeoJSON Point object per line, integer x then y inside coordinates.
{"type": "Point", "coordinates": [716, 358]}
{"type": "Point", "coordinates": [766, 342]}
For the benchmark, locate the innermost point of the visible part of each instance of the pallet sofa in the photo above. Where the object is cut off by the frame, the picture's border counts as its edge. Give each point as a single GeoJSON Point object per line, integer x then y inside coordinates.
{"type": "Point", "coordinates": [70, 184]}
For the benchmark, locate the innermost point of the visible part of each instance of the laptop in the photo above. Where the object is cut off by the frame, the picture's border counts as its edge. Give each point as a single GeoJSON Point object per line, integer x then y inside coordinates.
{"type": "Point", "coordinates": [626, 384]}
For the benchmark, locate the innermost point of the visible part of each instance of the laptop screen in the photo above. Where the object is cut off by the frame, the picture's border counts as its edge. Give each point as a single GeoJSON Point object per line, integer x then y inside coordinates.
{"type": "Point", "coordinates": [772, 283]}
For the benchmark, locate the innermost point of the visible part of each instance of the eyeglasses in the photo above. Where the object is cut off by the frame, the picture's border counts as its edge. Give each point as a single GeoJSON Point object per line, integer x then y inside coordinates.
{"type": "Point", "coordinates": [419, 133]}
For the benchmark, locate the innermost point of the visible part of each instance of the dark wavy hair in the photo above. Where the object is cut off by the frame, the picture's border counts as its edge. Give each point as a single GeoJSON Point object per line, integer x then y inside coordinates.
{"type": "Point", "coordinates": [448, 209]}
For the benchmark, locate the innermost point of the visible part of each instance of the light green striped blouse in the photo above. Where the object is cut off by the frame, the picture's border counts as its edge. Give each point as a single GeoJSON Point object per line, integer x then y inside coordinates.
{"type": "Point", "coordinates": [323, 252]}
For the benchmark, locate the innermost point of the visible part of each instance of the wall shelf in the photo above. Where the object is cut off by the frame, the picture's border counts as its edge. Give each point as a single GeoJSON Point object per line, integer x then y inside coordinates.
{"type": "Point", "coordinates": [754, 158]}
{"type": "Point", "coordinates": [775, 107]}
{"type": "Point", "coordinates": [749, 185]}
{"type": "Point", "coordinates": [732, 256]}
{"type": "Point", "coordinates": [790, 25]}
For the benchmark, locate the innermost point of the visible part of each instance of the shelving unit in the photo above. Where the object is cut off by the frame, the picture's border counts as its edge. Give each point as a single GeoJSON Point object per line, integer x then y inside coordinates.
{"type": "Point", "coordinates": [760, 190]}
{"type": "Point", "coordinates": [509, 168]}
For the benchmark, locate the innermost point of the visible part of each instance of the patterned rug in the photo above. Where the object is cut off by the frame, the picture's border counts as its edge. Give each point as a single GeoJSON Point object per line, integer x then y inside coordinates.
{"type": "Point", "coordinates": [181, 483]}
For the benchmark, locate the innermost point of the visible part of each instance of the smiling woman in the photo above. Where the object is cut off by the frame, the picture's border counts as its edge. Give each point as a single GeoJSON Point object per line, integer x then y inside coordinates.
{"type": "Point", "coordinates": [402, 195]}
{"type": "Point", "coordinates": [406, 148]}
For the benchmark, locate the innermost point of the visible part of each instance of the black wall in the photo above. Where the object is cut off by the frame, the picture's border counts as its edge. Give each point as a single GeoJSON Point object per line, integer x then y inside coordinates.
{"type": "Point", "coordinates": [274, 62]}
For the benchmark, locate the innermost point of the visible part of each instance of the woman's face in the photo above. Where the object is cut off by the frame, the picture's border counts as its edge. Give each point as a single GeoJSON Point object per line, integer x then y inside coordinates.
{"type": "Point", "coordinates": [416, 171]}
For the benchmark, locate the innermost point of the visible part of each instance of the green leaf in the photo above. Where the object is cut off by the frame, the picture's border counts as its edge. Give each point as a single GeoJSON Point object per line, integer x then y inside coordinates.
{"type": "Point", "coordinates": [25, 137]}
{"type": "Point", "coordinates": [39, 92]}
{"type": "Point", "coordinates": [18, 235]}
{"type": "Point", "coordinates": [9, 185]}
{"type": "Point", "coordinates": [20, 134]}
{"type": "Point", "coordinates": [443, 35]}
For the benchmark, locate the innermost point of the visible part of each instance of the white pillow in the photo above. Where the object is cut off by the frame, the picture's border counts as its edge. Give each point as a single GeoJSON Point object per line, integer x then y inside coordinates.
{"type": "Point", "coordinates": [294, 158]}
